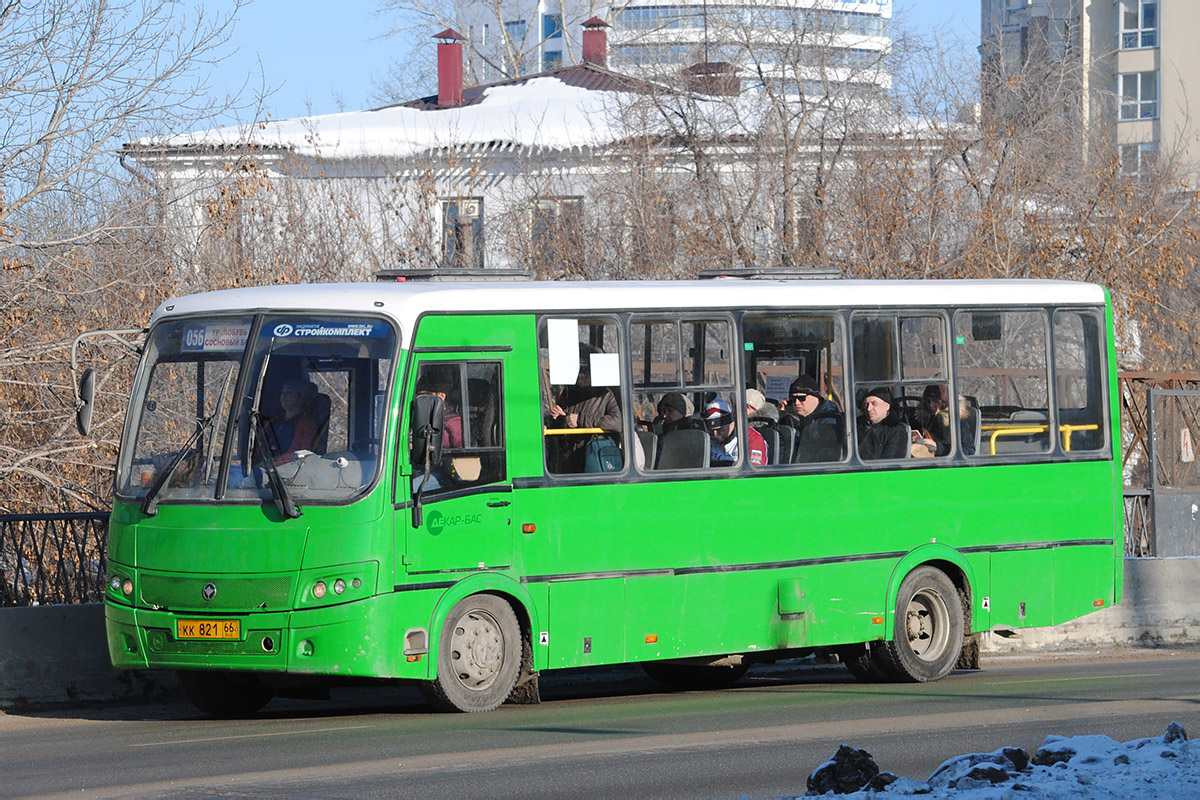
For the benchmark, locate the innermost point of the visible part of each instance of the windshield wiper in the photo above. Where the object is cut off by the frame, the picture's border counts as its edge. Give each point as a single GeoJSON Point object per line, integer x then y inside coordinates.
{"type": "Point", "coordinates": [279, 490]}
{"type": "Point", "coordinates": [150, 502]}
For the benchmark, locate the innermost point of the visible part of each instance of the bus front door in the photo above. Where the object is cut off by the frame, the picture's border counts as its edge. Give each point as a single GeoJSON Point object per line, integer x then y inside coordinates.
{"type": "Point", "coordinates": [465, 520]}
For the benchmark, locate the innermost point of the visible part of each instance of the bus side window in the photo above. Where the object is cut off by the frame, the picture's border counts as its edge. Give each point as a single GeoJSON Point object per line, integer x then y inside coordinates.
{"type": "Point", "coordinates": [582, 419]}
{"type": "Point", "coordinates": [473, 452]}
{"type": "Point", "coordinates": [1001, 361]}
{"type": "Point", "coordinates": [1078, 376]}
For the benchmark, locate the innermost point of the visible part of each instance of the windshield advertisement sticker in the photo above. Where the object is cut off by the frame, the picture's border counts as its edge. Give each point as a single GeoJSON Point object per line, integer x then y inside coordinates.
{"type": "Point", "coordinates": [215, 338]}
{"type": "Point", "coordinates": [306, 330]}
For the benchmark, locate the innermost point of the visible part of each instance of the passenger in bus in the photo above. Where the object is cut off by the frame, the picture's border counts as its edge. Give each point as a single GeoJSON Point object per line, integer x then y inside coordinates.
{"type": "Point", "coordinates": [437, 385]}
{"type": "Point", "coordinates": [293, 428]}
{"type": "Point", "coordinates": [673, 408]}
{"type": "Point", "coordinates": [880, 432]}
{"type": "Point", "coordinates": [723, 439]}
{"type": "Point", "coordinates": [805, 404]}
{"type": "Point", "coordinates": [932, 426]}
{"type": "Point", "coordinates": [763, 415]}
{"type": "Point", "coordinates": [757, 407]}
{"type": "Point", "coordinates": [966, 426]}
{"type": "Point", "coordinates": [583, 406]}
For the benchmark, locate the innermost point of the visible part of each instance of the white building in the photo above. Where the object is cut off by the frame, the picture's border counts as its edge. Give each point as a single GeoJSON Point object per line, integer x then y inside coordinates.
{"type": "Point", "coordinates": [575, 168]}
{"type": "Point", "coordinates": [847, 40]}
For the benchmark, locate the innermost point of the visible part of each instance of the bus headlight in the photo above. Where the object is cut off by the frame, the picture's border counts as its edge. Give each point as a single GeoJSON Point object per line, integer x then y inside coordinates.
{"type": "Point", "coordinates": [121, 586]}
{"type": "Point", "coordinates": [342, 583]}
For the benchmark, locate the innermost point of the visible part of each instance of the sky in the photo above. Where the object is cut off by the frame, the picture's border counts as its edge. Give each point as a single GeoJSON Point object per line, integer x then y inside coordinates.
{"type": "Point", "coordinates": [316, 60]}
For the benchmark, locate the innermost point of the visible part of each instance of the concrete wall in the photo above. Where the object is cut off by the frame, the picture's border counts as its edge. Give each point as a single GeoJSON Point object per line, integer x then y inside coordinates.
{"type": "Point", "coordinates": [52, 655]}
{"type": "Point", "coordinates": [58, 654]}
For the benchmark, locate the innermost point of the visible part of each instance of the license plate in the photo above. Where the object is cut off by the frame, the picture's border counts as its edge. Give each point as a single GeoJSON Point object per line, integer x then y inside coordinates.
{"type": "Point", "coordinates": [208, 629]}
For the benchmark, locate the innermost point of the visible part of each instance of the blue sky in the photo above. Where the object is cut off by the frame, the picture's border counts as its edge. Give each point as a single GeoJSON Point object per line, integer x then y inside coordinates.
{"type": "Point", "coordinates": [319, 60]}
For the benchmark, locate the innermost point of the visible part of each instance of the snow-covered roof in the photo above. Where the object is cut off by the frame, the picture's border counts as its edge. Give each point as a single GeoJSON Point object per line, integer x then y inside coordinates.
{"type": "Point", "coordinates": [569, 108]}
{"type": "Point", "coordinates": [541, 112]}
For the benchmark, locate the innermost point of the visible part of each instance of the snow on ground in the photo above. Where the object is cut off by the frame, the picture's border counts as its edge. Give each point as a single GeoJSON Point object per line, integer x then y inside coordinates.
{"type": "Point", "coordinates": [1093, 766]}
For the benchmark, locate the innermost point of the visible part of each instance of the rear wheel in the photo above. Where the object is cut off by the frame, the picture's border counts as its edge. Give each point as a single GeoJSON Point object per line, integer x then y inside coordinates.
{"type": "Point", "coordinates": [694, 676]}
{"type": "Point", "coordinates": [928, 632]}
{"type": "Point", "coordinates": [479, 656]}
{"type": "Point", "coordinates": [228, 695]}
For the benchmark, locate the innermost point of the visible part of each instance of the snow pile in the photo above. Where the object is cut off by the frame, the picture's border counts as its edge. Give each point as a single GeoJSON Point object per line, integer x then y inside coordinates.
{"type": "Point", "coordinates": [1063, 767]}
{"type": "Point", "coordinates": [539, 113]}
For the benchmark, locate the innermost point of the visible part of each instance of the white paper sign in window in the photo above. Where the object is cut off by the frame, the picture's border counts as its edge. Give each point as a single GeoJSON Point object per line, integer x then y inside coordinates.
{"type": "Point", "coordinates": [606, 369]}
{"type": "Point", "coordinates": [563, 336]}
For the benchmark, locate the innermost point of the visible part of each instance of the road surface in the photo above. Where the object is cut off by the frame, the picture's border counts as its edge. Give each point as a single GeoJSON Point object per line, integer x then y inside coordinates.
{"type": "Point", "coordinates": [597, 734]}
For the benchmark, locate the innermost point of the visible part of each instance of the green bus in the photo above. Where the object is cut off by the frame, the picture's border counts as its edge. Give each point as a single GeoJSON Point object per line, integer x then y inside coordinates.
{"type": "Point", "coordinates": [464, 484]}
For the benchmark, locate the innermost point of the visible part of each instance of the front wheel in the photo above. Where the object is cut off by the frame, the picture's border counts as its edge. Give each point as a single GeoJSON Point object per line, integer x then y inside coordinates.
{"type": "Point", "coordinates": [228, 695]}
{"type": "Point", "coordinates": [928, 632]}
{"type": "Point", "coordinates": [479, 656]}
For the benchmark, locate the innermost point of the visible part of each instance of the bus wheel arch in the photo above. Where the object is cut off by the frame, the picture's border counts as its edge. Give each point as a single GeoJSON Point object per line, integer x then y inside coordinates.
{"type": "Point", "coordinates": [480, 654]}
{"type": "Point", "coordinates": [928, 628]}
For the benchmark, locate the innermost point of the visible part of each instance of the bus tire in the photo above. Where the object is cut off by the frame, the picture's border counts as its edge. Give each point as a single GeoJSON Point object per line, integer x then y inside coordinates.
{"type": "Point", "coordinates": [928, 633]}
{"type": "Point", "coordinates": [694, 676]}
{"type": "Point", "coordinates": [226, 695]}
{"type": "Point", "coordinates": [479, 656]}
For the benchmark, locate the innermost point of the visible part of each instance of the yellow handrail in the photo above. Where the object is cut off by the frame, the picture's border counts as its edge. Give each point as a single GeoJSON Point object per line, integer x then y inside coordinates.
{"type": "Point", "coordinates": [570, 431]}
{"type": "Point", "coordinates": [1067, 432]}
{"type": "Point", "coordinates": [1070, 429]}
{"type": "Point", "coordinates": [1024, 430]}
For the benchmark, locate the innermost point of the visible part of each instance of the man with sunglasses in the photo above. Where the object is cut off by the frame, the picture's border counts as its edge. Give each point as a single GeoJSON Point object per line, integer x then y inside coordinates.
{"type": "Point", "coordinates": [805, 405]}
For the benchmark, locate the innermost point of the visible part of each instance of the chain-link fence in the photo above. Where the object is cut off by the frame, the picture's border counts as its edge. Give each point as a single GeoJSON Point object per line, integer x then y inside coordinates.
{"type": "Point", "coordinates": [49, 559]}
{"type": "Point", "coordinates": [1174, 430]}
{"type": "Point", "coordinates": [1175, 425]}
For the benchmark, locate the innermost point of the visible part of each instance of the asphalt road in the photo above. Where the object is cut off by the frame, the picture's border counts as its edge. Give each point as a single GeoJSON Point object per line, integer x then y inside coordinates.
{"type": "Point", "coordinates": [597, 734]}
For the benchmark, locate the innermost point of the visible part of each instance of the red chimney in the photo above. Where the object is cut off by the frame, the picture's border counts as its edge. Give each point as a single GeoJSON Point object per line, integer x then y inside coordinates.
{"type": "Point", "coordinates": [595, 42]}
{"type": "Point", "coordinates": [450, 68]}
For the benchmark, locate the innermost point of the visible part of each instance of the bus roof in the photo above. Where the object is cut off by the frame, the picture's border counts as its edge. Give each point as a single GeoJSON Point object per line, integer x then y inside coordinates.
{"type": "Point", "coordinates": [404, 302]}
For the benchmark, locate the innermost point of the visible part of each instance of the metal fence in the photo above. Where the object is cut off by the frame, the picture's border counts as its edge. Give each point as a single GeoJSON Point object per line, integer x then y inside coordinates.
{"type": "Point", "coordinates": [1139, 524]}
{"type": "Point", "coordinates": [49, 559]}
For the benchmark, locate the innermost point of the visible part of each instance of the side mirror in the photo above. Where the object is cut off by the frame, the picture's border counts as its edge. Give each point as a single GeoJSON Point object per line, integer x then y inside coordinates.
{"type": "Point", "coordinates": [428, 419]}
{"type": "Point", "coordinates": [86, 402]}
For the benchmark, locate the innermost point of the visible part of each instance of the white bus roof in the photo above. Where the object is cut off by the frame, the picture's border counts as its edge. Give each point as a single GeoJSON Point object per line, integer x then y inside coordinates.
{"type": "Point", "coordinates": [404, 302]}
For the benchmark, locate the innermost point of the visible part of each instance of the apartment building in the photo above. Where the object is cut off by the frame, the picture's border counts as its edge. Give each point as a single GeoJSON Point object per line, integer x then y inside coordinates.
{"type": "Point", "coordinates": [844, 41]}
{"type": "Point", "coordinates": [1139, 65]}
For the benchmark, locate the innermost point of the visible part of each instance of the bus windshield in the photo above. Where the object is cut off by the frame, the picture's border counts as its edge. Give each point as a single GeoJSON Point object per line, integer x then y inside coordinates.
{"type": "Point", "coordinates": [219, 400]}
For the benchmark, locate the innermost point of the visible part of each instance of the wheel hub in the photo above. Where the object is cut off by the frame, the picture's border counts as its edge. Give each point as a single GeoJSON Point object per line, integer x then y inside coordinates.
{"type": "Point", "coordinates": [925, 635]}
{"type": "Point", "coordinates": [477, 649]}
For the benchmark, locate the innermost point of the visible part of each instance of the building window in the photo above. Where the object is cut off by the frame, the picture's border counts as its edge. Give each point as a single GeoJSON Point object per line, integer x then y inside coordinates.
{"type": "Point", "coordinates": [514, 30]}
{"type": "Point", "coordinates": [551, 59]}
{"type": "Point", "coordinates": [1138, 92]}
{"type": "Point", "coordinates": [1137, 160]}
{"type": "Point", "coordinates": [552, 26]}
{"type": "Point", "coordinates": [1138, 20]}
{"type": "Point", "coordinates": [462, 233]}
{"type": "Point", "coordinates": [556, 234]}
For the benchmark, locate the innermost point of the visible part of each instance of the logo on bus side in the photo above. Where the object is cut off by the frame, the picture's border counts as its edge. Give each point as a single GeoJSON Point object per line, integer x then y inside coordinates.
{"type": "Point", "coordinates": [283, 330]}
{"type": "Point", "coordinates": [438, 522]}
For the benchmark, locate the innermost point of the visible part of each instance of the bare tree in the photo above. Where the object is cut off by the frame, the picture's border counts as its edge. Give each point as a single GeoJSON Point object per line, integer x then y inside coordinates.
{"type": "Point", "coordinates": [79, 235]}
